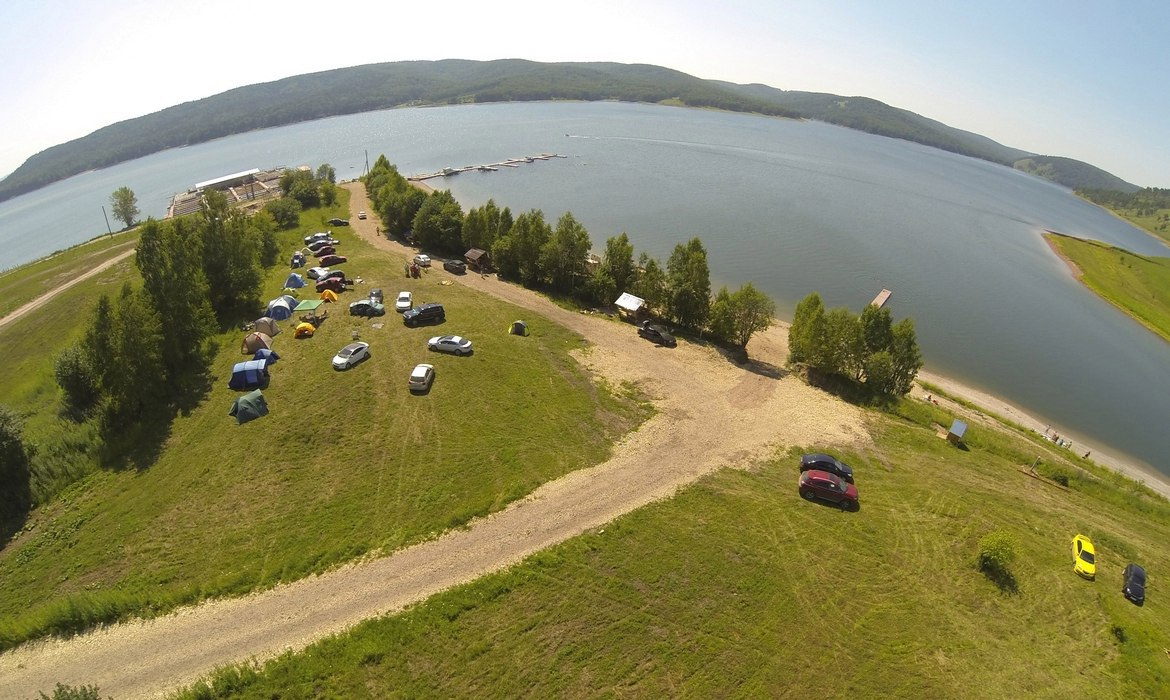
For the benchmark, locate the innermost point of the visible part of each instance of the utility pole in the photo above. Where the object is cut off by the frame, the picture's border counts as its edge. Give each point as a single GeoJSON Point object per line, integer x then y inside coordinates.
{"type": "Point", "coordinates": [107, 220]}
{"type": "Point", "coordinates": [367, 162]}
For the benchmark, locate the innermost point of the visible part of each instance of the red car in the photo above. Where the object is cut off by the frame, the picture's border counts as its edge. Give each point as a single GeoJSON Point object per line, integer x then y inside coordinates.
{"type": "Point", "coordinates": [815, 484]}
{"type": "Point", "coordinates": [332, 260]}
{"type": "Point", "coordinates": [335, 283]}
{"type": "Point", "coordinates": [324, 250]}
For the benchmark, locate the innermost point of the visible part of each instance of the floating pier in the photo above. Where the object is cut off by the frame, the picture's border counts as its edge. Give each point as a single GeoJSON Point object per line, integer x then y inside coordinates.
{"type": "Point", "coordinates": [488, 167]}
{"type": "Point", "coordinates": [881, 299]}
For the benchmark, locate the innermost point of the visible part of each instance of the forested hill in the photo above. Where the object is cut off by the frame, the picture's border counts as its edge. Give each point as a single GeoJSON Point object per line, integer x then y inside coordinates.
{"type": "Point", "coordinates": [385, 85]}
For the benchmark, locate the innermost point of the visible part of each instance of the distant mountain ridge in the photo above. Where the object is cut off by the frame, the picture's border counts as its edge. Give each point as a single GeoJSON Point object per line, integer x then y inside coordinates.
{"type": "Point", "coordinates": [415, 83]}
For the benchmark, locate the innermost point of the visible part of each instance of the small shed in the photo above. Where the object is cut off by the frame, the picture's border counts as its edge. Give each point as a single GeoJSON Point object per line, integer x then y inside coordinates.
{"type": "Point", "coordinates": [478, 259]}
{"type": "Point", "coordinates": [956, 433]}
{"type": "Point", "coordinates": [630, 307]}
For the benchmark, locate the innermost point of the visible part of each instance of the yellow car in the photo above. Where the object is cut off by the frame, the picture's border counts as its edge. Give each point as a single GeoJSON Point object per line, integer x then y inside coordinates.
{"type": "Point", "coordinates": [1084, 557]}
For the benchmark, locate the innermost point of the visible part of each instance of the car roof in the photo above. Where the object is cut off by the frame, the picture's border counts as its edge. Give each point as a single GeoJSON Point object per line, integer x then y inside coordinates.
{"type": "Point", "coordinates": [354, 346]}
{"type": "Point", "coordinates": [822, 475]}
{"type": "Point", "coordinates": [420, 370]}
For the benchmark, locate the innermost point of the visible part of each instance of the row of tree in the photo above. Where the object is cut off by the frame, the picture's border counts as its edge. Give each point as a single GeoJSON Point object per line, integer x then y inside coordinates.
{"type": "Point", "coordinates": [147, 349]}
{"type": "Point", "coordinates": [869, 349]}
{"type": "Point", "coordinates": [530, 250]}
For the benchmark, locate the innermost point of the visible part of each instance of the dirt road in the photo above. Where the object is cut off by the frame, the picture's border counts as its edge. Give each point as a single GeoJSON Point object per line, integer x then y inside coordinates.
{"type": "Point", "coordinates": [711, 414]}
{"type": "Point", "coordinates": [44, 298]}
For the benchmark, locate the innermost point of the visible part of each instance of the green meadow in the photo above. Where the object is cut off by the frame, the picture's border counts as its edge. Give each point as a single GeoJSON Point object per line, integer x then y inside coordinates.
{"type": "Point", "coordinates": [347, 464]}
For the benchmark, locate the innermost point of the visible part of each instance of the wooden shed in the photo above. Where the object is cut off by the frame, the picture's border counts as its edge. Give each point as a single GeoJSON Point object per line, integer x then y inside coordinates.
{"type": "Point", "coordinates": [630, 307]}
{"type": "Point", "coordinates": [478, 260]}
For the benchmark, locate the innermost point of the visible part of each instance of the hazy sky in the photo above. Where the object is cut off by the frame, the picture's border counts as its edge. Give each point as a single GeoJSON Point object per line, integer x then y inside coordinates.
{"type": "Point", "coordinates": [1087, 80]}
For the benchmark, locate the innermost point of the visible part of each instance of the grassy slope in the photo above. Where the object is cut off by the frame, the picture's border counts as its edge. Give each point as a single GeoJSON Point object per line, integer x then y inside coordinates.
{"type": "Point", "coordinates": [346, 463]}
{"type": "Point", "coordinates": [1156, 223]}
{"type": "Point", "coordinates": [1138, 285]}
{"type": "Point", "coordinates": [736, 587]}
{"type": "Point", "coordinates": [21, 285]}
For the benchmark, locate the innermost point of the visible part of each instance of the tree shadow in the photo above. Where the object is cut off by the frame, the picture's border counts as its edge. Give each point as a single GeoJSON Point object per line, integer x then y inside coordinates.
{"type": "Point", "coordinates": [1003, 579]}
{"type": "Point", "coordinates": [739, 357]}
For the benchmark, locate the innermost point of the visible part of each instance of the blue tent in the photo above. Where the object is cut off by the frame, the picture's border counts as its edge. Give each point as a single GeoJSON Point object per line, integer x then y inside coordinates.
{"type": "Point", "coordinates": [279, 309]}
{"type": "Point", "coordinates": [249, 375]}
{"type": "Point", "coordinates": [298, 260]}
{"type": "Point", "coordinates": [294, 281]}
{"type": "Point", "coordinates": [269, 356]}
{"type": "Point", "coordinates": [292, 301]}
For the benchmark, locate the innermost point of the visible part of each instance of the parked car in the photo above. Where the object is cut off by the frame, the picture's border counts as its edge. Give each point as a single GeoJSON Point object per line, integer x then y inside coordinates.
{"type": "Point", "coordinates": [422, 260]}
{"type": "Point", "coordinates": [361, 215]}
{"type": "Point", "coordinates": [427, 313]}
{"type": "Point", "coordinates": [324, 250]}
{"type": "Point", "coordinates": [454, 344]}
{"type": "Point", "coordinates": [1133, 583]}
{"type": "Point", "coordinates": [827, 463]}
{"type": "Point", "coordinates": [318, 236]}
{"type": "Point", "coordinates": [1084, 557]}
{"type": "Point", "coordinates": [338, 222]}
{"type": "Point", "coordinates": [350, 355]}
{"type": "Point", "coordinates": [421, 377]}
{"type": "Point", "coordinates": [816, 484]}
{"type": "Point", "coordinates": [334, 283]}
{"type": "Point", "coordinates": [317, 273]}
{"type": "Point", "coordinates": [457, 267]}
{"type": "Point", "coordinates": [332, 260]}
{"type": "Point", "coordinates": [339, 274]}
{"type": "Point", "coordinates": [366, 307]}
{"type": "Point", "coordinates": [319, 245]}
{"type": "Point", "coordinates": [404, 301]}
{"type": "Point", "coordinates": [376, 294]}
{"type": "Point", "coordinates": [658, 333]}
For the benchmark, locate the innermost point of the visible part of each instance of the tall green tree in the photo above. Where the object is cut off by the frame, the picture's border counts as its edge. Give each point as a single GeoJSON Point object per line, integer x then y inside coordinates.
{"type": "Point", "coordinates": [526, 239]}
{"type": "Point", "coordinates": [650, 283]}
{"type": "Point", "coordinates": [905, 357]}
{"type": "Point", "coordinates": [484, 225]}
{"type": "Point", "coordinates": [876, 328]}
{"type": "Point", "coordinates": [76, 377]}
{"type": "Point", "coordinates": [618, 261]}
{"type": "Point", "coordinates": [438, 225]}
{"type": "Point", "coordinates": [806, 330]}
{"type": "Point", "coordinates": [171, 258]}
{"type": "Point", "coordinates": [736, 317]}
{"type": "Point", "coordinates": [398, 207]}
{"type": "Point", "coordinates": [562, 257]}
{"type": "Point", "coordinates": [134, 388]}
{"type": "Point", "coordinates": [230, 257]}
{"type": "Point", "coordinates": [326, 173]}
{"type": "Point", "coordinates": [285, 212]}
{"type": "Point", "coordinates": [689, 281]}
{"type": "Point", "coordinates": [124, 205]}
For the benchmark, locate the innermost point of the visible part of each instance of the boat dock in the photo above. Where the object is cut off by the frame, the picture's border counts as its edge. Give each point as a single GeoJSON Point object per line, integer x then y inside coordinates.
{"type": "Point", "coordinates": [487, 168]}
{"type": "Point", "coordinates": [881, 299]}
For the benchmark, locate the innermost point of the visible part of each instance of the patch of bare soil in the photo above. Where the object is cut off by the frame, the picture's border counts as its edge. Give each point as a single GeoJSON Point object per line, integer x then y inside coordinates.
{"type": "Point", "coordinates": [711, 413]}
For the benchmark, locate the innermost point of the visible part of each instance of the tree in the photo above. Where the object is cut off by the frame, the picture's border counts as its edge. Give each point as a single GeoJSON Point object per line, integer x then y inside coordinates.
{"type": "Point", "coordinates": [133, 385]}
{"type": "Point", "coordinates": [124, 205]}
{"type": "Point", "coordinates": [876, 328]}
{"type": "Point", "coordinates": [650, 283]}
{"type": "Point", "coordinates": [841, 348]}
{"type": "Point", "coordinates": [521, 248]}
{"type": "Point", "coordinates": [737, 317]}
{"type": "Point", "coordinates": [484, 225]}
{"type": "Point", "coordinates": [77, 380]}
{"type": "Point", "coordinates": [618, 261]}
{"type": "Point", "coordinates": [230, 258]}
{"type": "Point", "coordinates": [15, 494]}
{"type": "Point", "coordinates": [806, 329]}
{"type": "Point", "coordinates": [689, 284]}
{"type": "Point", "coordinates": [562, 257]}
{"type": "Point", "coordinates": [285, 212]}
{"type": "Point", "coordinates": [438, 225]}
{"type": "Point", "coordinates": [398, 208]}
{"type": "Point", "coordinates": [905, 357]}
{"type": "Point", "coordinates": [326, 173]}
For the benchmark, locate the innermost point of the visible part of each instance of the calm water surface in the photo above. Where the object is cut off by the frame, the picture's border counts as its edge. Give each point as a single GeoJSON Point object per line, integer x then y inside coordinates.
{"type": "Point", "coordinates": [793, 207]}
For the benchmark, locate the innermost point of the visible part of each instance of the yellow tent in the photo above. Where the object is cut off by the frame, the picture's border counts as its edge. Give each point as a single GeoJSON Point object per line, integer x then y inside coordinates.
{"type": "Point", "coordinates": [304, 330]}
{"type": "Point", "coordinates": [329, 295]}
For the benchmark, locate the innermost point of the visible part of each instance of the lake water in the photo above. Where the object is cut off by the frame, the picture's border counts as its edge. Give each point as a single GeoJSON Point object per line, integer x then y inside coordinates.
{"type": "Point", "coordinates": [791, 206]}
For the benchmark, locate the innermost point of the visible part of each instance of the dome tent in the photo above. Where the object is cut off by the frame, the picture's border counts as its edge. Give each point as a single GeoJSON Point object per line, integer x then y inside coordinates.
{"type": "Point", "coordinates": [248, 407]}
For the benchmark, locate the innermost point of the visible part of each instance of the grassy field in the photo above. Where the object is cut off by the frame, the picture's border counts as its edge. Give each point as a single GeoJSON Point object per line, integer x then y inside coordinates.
{"type": "Point", "coordinates": [1138, 285]}
{"type": "Point", "coordinates": [347, 463]}
{"type": "Point", "coordinates": [23, 284]}
{"type": "Point", "coordinates": [1157, 223]}
{"type": "Point", "coordinates": [738, 588]}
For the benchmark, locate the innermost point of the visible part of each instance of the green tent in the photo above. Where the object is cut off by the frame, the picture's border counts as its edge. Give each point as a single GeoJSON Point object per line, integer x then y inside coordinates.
{"type": "Point", "coordinates": [309, 305]}
{"type": "Point", "coordinates": [249, 406]}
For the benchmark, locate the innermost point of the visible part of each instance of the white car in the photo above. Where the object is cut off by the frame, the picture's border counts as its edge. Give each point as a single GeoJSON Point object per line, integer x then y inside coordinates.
{"type": "Point", "coordinates": [454, 344]}
{"type": "Point", "coordinates": [316, 273]}
{"type": "Point", "coordinates": [361, 215]}
{"type": "Point", "coordinates": [404, 302]}
{"type": "Point", "coordinates": [350, 355]}
{"type": "Point", "coordinates": [421, 377]}
{"type": "Point", "coordinates": [422, 260]}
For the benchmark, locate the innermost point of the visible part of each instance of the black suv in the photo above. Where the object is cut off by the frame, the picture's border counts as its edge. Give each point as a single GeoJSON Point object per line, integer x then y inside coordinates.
{"type": "Point", "coordinates": [427, 313]}
{"type": "Point", "coordinates": [827, 463]}
{"type": "Point", "coordinates": [457, 267]}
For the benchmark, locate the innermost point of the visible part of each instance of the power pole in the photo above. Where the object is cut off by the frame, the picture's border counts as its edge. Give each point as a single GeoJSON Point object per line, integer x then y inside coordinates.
{"type": "Point", "coordinates": [107, 220]}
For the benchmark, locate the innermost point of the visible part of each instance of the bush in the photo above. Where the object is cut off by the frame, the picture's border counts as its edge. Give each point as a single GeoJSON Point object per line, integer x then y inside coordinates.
{"type": "Point", "coordinates": [68, 692]}
{"type": "Point", "coordinates": [997, 551]}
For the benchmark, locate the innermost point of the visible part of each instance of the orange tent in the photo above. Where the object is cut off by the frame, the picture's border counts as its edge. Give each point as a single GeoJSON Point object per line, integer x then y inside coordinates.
{"type": "Point", "coordinates": [329, 295]}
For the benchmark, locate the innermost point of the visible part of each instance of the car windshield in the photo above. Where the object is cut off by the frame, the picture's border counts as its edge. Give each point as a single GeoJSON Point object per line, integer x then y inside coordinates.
{"type": "Point", "coordinates": [1087, 556]}
{"type": "Point", "coordinates": [345, 352]}
{"type": "Point", "coordinates": [1139, 577]}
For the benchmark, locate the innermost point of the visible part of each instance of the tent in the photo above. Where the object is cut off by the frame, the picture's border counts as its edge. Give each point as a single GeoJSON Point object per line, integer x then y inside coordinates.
{"type": "Point", "coordinates": [294, 281]}
{"type": "Point", "coordinates": [249, 407]}
{"type": "Point", "coordinates": [255, 341]}
{"type": "Point", "coordinates": [279, 309]}
{"type": "Point", "coordinates": [292, 301]}
{"type": "Point", "coordinates": [269, 356]}
{"type": "Point", "coordinates": [518, 328]}
{"type": "Point", "coordinates": [308, 305]}
{"type": "Point", "coordinates": [329, 295]}
{"type": "Point", "coordinates": [265, 324]}
{"type": "Point", "coordinates": [249, 375]}
{"type": "Point", "coordinates": [298, 260]}
{"type": "Point", "coordinates": [304, 330]}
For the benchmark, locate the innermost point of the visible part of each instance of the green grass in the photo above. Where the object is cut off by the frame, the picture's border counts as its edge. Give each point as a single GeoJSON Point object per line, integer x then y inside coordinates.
{"type": "Point", "coordinates": [1157, 223]}
{"type": "Point", "coordinates": [346, 463]}
{"type": "Point", "coordinates": [1138, 285]}
{"type": "Point", "coordinates": [737, 587]}
{"type": "Point", "coordinates": [21, 285]}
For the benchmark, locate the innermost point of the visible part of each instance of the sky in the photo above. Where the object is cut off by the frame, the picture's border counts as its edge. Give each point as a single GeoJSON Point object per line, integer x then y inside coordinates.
{"type": "Point", "coordinates": [1085, 80]}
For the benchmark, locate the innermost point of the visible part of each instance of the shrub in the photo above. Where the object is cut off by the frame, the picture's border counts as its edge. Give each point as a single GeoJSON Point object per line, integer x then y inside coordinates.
{"type": "Point", "coordinates": [997, 551]}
